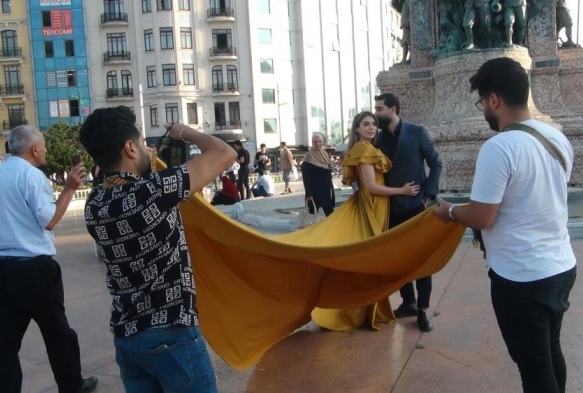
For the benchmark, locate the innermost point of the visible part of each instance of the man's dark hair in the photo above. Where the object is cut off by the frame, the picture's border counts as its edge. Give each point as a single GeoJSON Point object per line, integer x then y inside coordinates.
{"type": "Point", "coordinates": [262, 145]}
{"type": "Point", "coordinates": [504, 77]}
{"type": "Point", "coordinates": [260, 171]}
{"type": "Point", "coordinates": [282, 143]}
{"type": "Point", "coordinates": [238, 143]}
{"type": "Point", "coordinates": [389, 100]}
{"type": "Point", "coordinates": [104, 133]}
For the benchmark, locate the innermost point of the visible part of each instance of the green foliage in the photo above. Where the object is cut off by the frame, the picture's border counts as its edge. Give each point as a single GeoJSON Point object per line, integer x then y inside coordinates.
{"type": "Point", "coordinates": [62, 144]}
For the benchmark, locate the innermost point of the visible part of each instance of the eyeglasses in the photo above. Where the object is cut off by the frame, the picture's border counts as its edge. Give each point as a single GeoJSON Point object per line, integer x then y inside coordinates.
{"type": "Point", "coordinates": [479, 104]}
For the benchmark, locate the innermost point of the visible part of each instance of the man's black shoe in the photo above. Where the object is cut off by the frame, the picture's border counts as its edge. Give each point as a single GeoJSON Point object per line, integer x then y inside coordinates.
{"type": "Point", "coordinates": [423, 321]}
{"type": "Point", "coordinates": [89, 385]}
{"type": "Point", "coordinates": [405, 310]}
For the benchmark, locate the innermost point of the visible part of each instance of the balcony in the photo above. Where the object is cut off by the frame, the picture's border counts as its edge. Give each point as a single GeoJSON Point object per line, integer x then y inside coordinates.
{"type": "Point", "coordinates": [223, 52]}
{"type": "Point", "coordinates": [226, 88]}
{"type": "Point", "coordinates": [10, 124]}
{"type": "Point", "coordinates": [117, 56]}
{"type": "Point", "coordinates": [123, 93]}
{"type": "Point", "coordinates": [220, 14]}
{"type": "Point", "coordinates": [8, 54]}
{"type": "Point", "coordinates": [228, 125]}
{"type": "Point", "coordinates": [114, 18]}
{"type": "Point", "coordinates": [12, 90]}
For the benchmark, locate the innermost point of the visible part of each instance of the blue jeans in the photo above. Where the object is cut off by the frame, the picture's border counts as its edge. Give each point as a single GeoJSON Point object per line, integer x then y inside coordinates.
{"type": "Point", "coordinates": [173, 360]}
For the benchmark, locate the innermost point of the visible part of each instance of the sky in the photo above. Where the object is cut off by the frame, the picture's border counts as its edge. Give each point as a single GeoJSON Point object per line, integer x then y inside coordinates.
{"type": "Point", "coordinates": [576, 8]}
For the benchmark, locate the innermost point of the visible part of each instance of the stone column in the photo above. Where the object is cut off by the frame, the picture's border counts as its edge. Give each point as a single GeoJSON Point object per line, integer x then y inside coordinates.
{"type": "Point", "coordinates": [422, 32]}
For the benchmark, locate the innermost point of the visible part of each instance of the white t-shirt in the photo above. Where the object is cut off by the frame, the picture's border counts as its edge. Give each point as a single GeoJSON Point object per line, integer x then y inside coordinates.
{"type": "Point", "coordinates": [268, 184]}
{"type": "Point", "coordinates": [529, 239]}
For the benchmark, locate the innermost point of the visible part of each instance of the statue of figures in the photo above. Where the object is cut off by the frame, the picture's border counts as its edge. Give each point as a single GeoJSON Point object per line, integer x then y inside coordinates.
{"type": "Point", "coordinates": [450, 18]}
{"type": "Point", "coordinates": [564, 20]}
{"type": "Point", "coordinates": [406, 26]}
{"type": "Point", "coordinates": [514, 21]}
{"type": "Point", "coordinates": [477, 11]}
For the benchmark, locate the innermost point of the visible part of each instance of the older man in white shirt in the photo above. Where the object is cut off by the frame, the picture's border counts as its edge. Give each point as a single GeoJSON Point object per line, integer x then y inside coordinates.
{"type": "Point", "coordinates": [31, 285]}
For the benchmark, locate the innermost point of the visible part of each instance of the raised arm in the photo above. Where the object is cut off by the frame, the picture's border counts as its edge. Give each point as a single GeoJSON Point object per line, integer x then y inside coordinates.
{"type": "Point", "coordinates": [216, 155]}
{"type": "Point", "coordinates": [378, 189]}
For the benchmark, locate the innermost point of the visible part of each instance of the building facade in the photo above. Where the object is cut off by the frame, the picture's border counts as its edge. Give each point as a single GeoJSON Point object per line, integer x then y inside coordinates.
{"type": "Point", "coordinates": [17, 93]}
{"type": "Point", "coordinates": [263, 71]}
{"type": "Point", "coordinates": [61, 75]}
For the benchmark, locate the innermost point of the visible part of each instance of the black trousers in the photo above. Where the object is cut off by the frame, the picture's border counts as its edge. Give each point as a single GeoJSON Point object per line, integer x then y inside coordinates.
{"type": "Point", "coordinates": [243, 182]}
{"type": "Point", "coordinates": [32, 288]}
{"type": "Point", "coordinates": [530, 315]}
{"type": "Point", "coordinates": [425, 284]}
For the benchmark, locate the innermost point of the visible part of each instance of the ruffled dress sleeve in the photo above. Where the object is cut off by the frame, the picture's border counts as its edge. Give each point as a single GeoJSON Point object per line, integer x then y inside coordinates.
{"type": "Point", "coordinates": [363, 153]}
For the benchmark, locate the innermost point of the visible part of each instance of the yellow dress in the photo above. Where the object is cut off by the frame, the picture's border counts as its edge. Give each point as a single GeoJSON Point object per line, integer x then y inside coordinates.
{"type": "Point", "coordinates": [375, 210]}
{"type": "Point", "coordinates": [254, 290]}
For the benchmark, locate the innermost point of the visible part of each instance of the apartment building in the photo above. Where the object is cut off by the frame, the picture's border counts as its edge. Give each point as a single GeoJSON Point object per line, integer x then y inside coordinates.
{"type": "Point", "coordinates": [262, 71]}
{"type": "Point", "coordinates": [61, 75]}
{"type": "Point", "coordinates": [17, 94]}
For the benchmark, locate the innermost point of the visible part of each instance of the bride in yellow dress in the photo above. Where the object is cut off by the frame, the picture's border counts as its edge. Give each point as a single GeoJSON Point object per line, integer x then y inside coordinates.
{"type": "Point", "coordinates": [364, 165]}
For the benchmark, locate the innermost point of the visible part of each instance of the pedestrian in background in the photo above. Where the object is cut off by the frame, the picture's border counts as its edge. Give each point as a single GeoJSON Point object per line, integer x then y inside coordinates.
{"type": "Point", "coordinates": [317, 177]}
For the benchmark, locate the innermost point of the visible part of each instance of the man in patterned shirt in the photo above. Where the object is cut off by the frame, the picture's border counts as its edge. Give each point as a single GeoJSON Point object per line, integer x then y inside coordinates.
{"type": "Point", "coordinates": [134, 219]}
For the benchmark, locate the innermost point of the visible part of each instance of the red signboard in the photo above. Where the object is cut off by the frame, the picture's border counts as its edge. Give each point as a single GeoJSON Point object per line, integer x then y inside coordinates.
{"type": "Point", "coordinates": [61, 23]}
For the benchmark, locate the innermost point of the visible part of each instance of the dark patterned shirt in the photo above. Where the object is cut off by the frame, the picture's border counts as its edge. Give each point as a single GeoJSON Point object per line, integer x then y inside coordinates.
{"type": "Point", "coordinates": [139, 234]}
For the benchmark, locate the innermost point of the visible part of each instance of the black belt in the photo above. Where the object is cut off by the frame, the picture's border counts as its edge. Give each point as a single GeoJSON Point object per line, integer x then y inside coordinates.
{"type": "Point", "coordinates": [20, 259]}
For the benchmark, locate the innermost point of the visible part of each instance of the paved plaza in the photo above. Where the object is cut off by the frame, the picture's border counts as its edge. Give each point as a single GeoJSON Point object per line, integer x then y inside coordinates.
{"type": "Point", "coordinates": [464, 353]}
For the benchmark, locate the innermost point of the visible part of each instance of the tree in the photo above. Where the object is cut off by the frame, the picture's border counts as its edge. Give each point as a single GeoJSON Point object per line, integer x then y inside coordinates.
{"type": "Point", "coordinates": [62, 144]}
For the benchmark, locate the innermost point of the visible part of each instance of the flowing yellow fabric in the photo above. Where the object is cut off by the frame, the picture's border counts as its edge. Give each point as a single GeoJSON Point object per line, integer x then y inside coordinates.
{"type": "Point", "coordinates": [254, 290]}
{"type": "Point", "coordinates": [375, 211]}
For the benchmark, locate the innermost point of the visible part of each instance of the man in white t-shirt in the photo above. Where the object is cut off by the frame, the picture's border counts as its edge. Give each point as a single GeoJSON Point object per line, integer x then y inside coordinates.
{"type": "Point", "coordinates": [519, 201]}
{"type": "Point", "coordinates": [264, 186]}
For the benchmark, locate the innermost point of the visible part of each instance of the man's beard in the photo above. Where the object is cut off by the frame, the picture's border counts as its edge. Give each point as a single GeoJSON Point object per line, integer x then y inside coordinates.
{"type": "Point", "coordinates": [145, 164]}
{"type": "Point", "coordinates": [384, 122]}
{"type": "Point", "coordinates": [492, 122]}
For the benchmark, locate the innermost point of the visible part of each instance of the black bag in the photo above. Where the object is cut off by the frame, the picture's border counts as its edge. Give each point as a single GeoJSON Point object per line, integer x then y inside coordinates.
{"type": "Point", "coordinates": [478, 241]}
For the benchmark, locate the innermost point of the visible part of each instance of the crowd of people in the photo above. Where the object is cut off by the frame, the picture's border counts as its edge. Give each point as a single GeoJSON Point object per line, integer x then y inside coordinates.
{"type": "Point", "coordinates": [133, 218]}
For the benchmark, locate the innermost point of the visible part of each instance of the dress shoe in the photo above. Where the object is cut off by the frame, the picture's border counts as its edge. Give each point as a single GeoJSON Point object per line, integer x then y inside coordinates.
{"type": "Point", "coordinates": [89, 385]}
{"type": "Point", "coordinates": [405, 310]}
{"type": "Point", "coordinates": [423, 321]}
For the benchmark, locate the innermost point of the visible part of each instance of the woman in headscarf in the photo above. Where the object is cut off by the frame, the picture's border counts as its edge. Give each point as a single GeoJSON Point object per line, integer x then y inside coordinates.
{"type": "Point", "coordinates": [317, 177]}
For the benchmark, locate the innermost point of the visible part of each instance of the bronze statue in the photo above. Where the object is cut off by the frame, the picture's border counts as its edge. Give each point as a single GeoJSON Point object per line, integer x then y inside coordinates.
{"type": "Point", "coordinates": [406, 26]}
{"type": "Point", "coordinates": [564, 20]}
{"type": "Point", "coordinates": [477, 11]}
{"type": "Point", "coordinates": [514, 21]}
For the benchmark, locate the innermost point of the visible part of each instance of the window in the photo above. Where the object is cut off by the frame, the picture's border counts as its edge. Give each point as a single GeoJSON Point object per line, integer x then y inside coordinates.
{"type": "Point", "coordinates": [188, 74]}
{"type": "Point", "coordinates": [69, 48]}
{"type": "Point", "coordinates": [266, 66]}
{"type": "Point", "coordinates": [153, 115]}
{"type": "Point", "coordinates": [13, 80]}
{"type": "Point", "coordinates": [146, 6]}
{"type": "Point", "coordinates": [74, 108]}
{"type": "Point", "coordinates": [270, 126]}
{"type": "Point", "coordinates": [265, 36]}
{"type": "Point", "coordinates": [49, 50]}
{"type": "Point", "coordinates": [169, 74]}
{"type": "Point", "coordinates": [186, 38]}
{"type": "Point", "coordinates": [166, 38]}
{"type": "Point", "coordinates": [15, 115]}
{"type": "Point", "coordinates": [217, 73]}
{"type": "Point", "coordinates": [191, 113]}
{"type": "Point", "coordinates": [111, 82]}
{"type": "Point", "coordinates": [234, 114]}
{"type": "Point", "coordinates": [164, 5]}
{"type": "Point", "coordinates": [149, 40]}
{"type": "Point", "coordinates": [116, 44]}
{"type": "Point", "coordinates": [126, 83]}
{"type": "Point", "coordinates": [220, 118]}
{"type": "Point", "coordinates": [268, 96]}
{"type": "Point", "coordinates": [71, 78]}
{"type": "Point", "coordinates": [10, 44]}
{"type": "Point", "coordinates": [184, 5]}
{"type": "Point", "coordinates": [6, 7]}
{"type": "Point", "coordinates": [232, 80]}
{"type": "Point", "coordinates": [151, 76]}
{"type": "Point", "coordinates": [46, 18]}
{"type": "Point", "coordinates": [222, 40]}
{"type": "Point", "coordinates": [113, 7]}
{"type": "Point", "coordinates": [171, 113]}
{"type": "Point", "coordinates": [263, 6]}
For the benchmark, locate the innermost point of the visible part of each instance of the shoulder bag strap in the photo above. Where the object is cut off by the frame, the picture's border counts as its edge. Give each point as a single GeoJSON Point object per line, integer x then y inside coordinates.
{"type": "Point", "coordinates": [544, 141]}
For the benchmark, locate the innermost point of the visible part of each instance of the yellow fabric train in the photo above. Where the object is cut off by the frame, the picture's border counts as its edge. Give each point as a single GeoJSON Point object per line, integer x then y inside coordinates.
{"type": "Point", "coordinates": [254, 290]}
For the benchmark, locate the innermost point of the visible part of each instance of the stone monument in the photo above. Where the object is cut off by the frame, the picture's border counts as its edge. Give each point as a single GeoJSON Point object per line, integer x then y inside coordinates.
{"type": "Point", "coordinates": [434, 88]}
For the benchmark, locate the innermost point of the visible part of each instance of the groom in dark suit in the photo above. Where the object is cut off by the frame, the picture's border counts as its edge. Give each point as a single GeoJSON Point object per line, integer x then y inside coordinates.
{"type": "Point", "coordinates": [409, 147]}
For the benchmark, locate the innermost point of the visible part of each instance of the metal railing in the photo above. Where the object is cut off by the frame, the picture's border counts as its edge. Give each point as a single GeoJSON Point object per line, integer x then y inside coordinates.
{"type": "Point", "coordinates": [123, 92]}
{"type": "Point", "coordinates": [226, 87]}
{"type": "Point", "coordinates": [11, 90]}
{"type": "Point", "coordinates": [114, 17]}
{"type": "Point", "coordinates": [116, 56]}
{"type": "Point", "coordinates": [11, 52]}
{"type": "Point", "coordinates": [216, 12]}
{"type": "Point", "coordinates": [222, 51]}
{"type": "Point", "coordinates": [10, 124]}
{"type": "Point", "coordinates": [227, 125]}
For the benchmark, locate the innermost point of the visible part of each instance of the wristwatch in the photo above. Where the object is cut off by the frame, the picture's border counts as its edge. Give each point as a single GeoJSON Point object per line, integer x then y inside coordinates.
{"type": "Point", "coordinates": [450, 211]}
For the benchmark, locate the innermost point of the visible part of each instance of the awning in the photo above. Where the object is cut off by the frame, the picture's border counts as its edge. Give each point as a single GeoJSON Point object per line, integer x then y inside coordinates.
{"type": "Point", "coordinates": [230, 136]}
